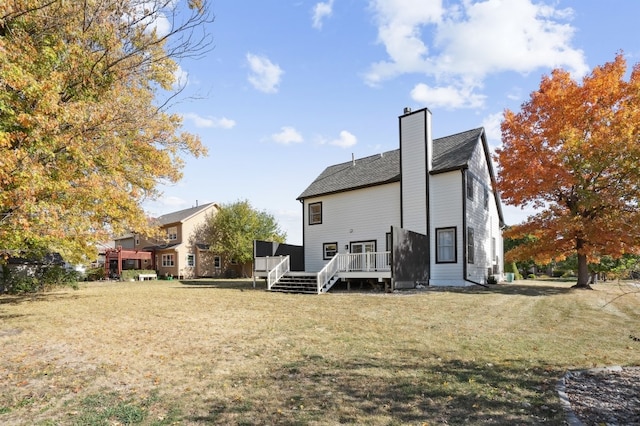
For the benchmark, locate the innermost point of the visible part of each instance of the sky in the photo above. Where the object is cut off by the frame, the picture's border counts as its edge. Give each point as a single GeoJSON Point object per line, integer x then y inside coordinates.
{"type": "Point", "coordinates": [290, 87]}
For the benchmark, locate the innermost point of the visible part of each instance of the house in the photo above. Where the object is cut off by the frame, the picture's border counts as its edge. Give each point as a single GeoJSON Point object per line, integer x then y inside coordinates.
{"type": "Point", "coordinates": [180, 254]}
{"type": "Point", "coordinates": [426, 213]}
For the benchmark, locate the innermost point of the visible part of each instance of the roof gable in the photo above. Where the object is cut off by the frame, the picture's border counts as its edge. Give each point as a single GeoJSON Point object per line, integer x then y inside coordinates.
{"type": "Point", "coordinates": [449, 153]}
{"type": "Point", "coordinates": [182, 215]}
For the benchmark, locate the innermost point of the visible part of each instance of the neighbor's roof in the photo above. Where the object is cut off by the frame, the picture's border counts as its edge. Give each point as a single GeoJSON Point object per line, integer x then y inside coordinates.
{"type": "Point", "coordinates": [182, 215]}
{"type": "Point", "coordinates": [449, 153]}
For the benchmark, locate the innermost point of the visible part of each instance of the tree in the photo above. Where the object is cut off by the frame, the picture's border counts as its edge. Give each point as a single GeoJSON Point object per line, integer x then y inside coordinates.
{"type": "Point", "coordinates": [573, 151]}
{"type": "Point", "coordinates": [85, 132]}
{"type": "Point", "coordinates": [232, 229]}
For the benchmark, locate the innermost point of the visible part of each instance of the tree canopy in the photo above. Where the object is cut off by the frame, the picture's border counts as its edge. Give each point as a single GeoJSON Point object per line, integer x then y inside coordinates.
{"type": "Point", "coordinates": [85, 132]}
{"type": "Point", "coordinates": [573, 152]}
{"type": "Point", "coordinates": [232, 229]}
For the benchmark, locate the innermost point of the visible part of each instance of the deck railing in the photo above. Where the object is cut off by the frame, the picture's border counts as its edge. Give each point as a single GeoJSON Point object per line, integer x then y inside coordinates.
{"type": "Point", "coordinates": [364, 262]}
{"type": "Point", "coordinates": [277, 271]}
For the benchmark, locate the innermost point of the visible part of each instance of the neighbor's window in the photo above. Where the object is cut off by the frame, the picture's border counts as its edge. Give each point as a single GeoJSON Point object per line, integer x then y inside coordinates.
{"type": "Point", "coordinates": [172, 233]}
{"type": "Point", "coordinates": [315, 213]}
{"type": "Point", "coordinates": [191, 260]}
{"type": "Point", "coordinates": [446, 245]}
{"type": "Point", "coordinates": [469, 186]}
{"type": "Point", "coordinates": [168, 260]}
{"type": "Point", "coordinates": [470, 246]}
{"type": "Point", "coordinates": [216, 262]}
{"type": "Point", "coordinates": [329, 250]}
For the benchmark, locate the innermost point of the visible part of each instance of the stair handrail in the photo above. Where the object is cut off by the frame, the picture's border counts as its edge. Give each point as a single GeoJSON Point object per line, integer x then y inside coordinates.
{"type": "Point", "coordinates": [278, 271]}
{"type": "Point", "coordinates": [329, 270]}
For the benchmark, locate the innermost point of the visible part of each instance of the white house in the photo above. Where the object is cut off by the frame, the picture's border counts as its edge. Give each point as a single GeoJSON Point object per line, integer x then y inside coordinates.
{"type": "Point", "coordinates": [426, 213]}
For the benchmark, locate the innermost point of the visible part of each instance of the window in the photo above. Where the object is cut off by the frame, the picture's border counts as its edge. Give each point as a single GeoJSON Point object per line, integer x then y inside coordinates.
{"type": "Point", "coordinates": [172, 233]}
{"type": "Point", "coordinates": [137, 241]}
{"type": "Point", "coordinates": [469, 186]}
{"type": "Point", "coordinates": [234, 262]}
{"type": "Point", "coordinates": [446, 245]}
{"type": "Point", "coordinates": [315, 213]}
{"type": "Point", "coordinates": [470, 246]}
{"type": "Point", "coordinates": [191, 260]}
{"type": "Point", "coordinates": [329, 250]}
{"type": "Point", "coordinates": [486, 199]}
{"type": "Point", "coordinates": [168, 260]}
{"type": "Point", "coordinates": [216, 262]}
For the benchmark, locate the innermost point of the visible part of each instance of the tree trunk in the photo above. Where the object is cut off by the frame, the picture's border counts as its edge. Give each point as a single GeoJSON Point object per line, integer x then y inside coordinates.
{"type": "Point", "coordinates": [583, 268]}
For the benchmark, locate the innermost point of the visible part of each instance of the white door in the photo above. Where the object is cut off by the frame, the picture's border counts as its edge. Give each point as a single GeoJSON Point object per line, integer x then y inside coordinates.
{"type": "Point", "coordinates": [364, 259]}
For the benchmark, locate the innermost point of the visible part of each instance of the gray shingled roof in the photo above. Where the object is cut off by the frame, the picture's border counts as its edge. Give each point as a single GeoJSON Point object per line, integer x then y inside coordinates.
{"type": "Point", "coordinates": [449, 153]}
{"type": "Point", "coordinates": [181, 215]}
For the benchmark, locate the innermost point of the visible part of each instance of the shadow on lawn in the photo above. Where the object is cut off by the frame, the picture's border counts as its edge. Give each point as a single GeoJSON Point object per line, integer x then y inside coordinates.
{"type": "Point", "coordinates": [241, 284]}
{"type": "Point", "coordinates": [381, 391]}
{"type": "Point", "coordinates": [510, 289]}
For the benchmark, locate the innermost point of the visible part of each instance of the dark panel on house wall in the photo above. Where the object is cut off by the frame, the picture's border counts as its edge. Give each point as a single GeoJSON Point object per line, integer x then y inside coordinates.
{"type": "Point", "coordinates": [410, 252]}
{"type": "Point", "coordinates": [296, 255]}
{"type": "Point", "coordinates": [268, 248]}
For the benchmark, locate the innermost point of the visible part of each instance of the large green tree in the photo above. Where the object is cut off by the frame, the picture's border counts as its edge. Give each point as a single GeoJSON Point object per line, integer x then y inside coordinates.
{"type": "Point", "coordinates": [231, 230]}
{"type": "Point", "coordinates": [85, 129]}
{"type": "Point", "coordinates": [573, 151]}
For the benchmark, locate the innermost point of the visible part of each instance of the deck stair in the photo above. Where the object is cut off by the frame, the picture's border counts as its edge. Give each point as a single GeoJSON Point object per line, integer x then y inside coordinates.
{"type": "Point", "coordinates": [300, 283]}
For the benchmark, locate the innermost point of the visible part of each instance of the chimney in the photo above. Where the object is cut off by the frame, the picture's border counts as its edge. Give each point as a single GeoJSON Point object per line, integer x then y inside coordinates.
{"type": "Point", "coordinates": [407, 110]}
{"type": "Point", "coordinates": [353, 159]}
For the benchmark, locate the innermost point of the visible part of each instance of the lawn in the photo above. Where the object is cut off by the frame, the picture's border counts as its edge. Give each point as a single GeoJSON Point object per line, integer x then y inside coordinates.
{"type": "Point", "coordinates": [222, 352]}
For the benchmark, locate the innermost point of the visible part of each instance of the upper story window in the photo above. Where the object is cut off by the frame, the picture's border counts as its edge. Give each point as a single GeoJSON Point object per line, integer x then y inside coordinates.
{"type": "Point", "coordinates": [315, 213]}
{"type": "Point", "coordinates": [469, 186]}
{"type": "Point", "coordinates": [172, 233]}
{"type": "Point", "coordinates": [486, 199]}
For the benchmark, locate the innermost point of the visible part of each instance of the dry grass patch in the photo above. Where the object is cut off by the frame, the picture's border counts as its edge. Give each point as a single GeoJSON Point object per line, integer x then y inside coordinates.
{"type": "Point", "coordinates": [221, 352]}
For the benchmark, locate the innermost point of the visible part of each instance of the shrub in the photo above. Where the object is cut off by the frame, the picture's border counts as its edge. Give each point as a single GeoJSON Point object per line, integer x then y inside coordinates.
{"type": "Point", "coordinates": [492, 279]}
{"type": "Point", "coordinates": [531, 276]}
{"type": "Point", "coordinates": [96, 274]}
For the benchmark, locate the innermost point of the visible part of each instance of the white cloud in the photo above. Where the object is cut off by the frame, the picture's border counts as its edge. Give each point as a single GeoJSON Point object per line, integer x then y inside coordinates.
{"type": "Point", "coordinates": [321, 11]}
{"type": "Point", "coordinates": [491, 124]}
{"type": "Point", "coordinates": [287, 135]}
{"type": "Point", "coordinates": [345, 140]}
{"type": "Point", "coordinates": [264, 76]}
{"type": "Point", "coordinates": [209, 122]}
{"type": "Point", "coordinates": [181, 77]}
{"type": "Point", "coordinates": [459, 46]}
{"type": "Point", "coordinates": [449, 97]}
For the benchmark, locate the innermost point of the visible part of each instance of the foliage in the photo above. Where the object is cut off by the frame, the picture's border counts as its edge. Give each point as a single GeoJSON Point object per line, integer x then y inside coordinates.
{"type": "Point", "coordinates": [573, 152]}
{"type": "Point", "coordinates": [232, 229]}
{"type": "Point", "coordinates": [491, 279]}
{"type": "Point", "coordinates": [35, 278]}
{"type": "Point", "coordinates": [96, 274]}
{"type": "Point", "coordinates": [85, 132]}
{"type": "Point", "coordinates": [513, 268]}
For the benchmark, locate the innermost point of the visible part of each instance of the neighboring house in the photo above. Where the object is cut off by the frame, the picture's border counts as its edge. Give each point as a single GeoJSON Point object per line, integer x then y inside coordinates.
{"type": "Point", "coordinates": [428, 212]}
{"type": "Point", "coordinates": [179, 254]}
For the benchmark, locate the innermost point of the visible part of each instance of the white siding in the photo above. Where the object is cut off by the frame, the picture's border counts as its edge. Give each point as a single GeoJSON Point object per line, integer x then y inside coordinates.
{"type": "Point", "coordinates": [415, 153]}
{"type": "Point", "coordinates": [484, 221]}
{"type": "Point", "coordinates": [361, 215]}
{"type": "Point", "coordinates": [446, 212]}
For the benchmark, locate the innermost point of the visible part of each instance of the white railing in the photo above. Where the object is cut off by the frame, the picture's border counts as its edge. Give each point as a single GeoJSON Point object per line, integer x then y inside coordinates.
{"type": "Point", "coordinates": [354, 262]}
{"type": "Point", "coordinates": [277, 271]}
{"type": "Point", "coordinates": [265, 264]}
{"type": "Point", "coordinates": [365, 262]}
{"type": "Point", "coordinates": [329, 270]}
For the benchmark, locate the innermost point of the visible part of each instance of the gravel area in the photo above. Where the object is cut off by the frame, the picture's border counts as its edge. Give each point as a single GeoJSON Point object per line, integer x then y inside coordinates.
{"type": "Point", "coordinates": [604, 396]}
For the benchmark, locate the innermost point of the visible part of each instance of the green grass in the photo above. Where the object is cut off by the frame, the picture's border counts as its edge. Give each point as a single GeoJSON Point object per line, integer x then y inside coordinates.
{"type": "Point", "coordinates": [223, 352]}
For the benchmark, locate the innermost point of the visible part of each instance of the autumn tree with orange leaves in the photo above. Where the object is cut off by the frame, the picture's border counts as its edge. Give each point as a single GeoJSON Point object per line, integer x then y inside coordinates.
{"type": "Point", "coordinates": [573, 153]}
{"type": "Point", "coordinates": [85, 130]}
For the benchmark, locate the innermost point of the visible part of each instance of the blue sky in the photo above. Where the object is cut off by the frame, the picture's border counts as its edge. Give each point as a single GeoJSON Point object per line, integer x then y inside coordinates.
{"type": "Point", "coordinates": [293, 86]}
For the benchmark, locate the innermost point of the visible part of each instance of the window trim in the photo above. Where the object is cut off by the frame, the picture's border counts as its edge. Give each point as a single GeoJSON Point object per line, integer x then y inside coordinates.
{"type": "Point", "coordinates": [454, 246]}
{"type": "Point", "coordinates": [311, 215]}
{"type": "Point", "coordinates": [217, 262]}
{"type": "Point", "coordinates": [471, 246]}
{"type": "Point", "coordinates": [168, 260]}
{"type": "Point", "coordinates": [172, 236]}
{"type": "Point", "coordinates": [191, 260]}
{"type": "Point", "coordinates": [324, 250]}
